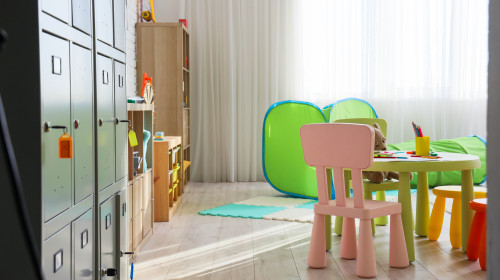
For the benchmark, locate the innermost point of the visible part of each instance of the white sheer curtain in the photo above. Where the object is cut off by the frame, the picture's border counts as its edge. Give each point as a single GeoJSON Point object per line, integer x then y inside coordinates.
{"type": "Point", "coordinates": [422, 61]}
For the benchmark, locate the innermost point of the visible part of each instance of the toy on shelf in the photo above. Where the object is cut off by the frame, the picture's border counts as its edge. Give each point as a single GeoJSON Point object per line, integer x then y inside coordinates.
{"type": "Point", "coordinates": [149, 15]}
{"type": "Point", "coordinates": [147, 88]}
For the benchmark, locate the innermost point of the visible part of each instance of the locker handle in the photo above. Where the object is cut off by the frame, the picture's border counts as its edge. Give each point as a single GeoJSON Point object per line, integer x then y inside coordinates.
{"type": "Point", "coordinates": [101, 121]}
{"type": "Point", "coordinates": [77, 124]}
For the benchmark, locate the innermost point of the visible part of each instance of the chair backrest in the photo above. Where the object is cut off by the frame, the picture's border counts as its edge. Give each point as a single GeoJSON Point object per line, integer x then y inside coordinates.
{"type": "Point", "coordinates": [349, 108]}
{"type": "Point", "coordinates": [369, 121]}
{"type": "Point", "coordinates": [338, 146]}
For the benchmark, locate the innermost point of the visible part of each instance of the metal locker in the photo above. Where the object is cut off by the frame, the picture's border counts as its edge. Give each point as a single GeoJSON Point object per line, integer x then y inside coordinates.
{"type": "Point", "coordinates": [83, 247]}
{"type": "Point", "coordinates": [105, 122]}
{"type": "Point", "coordinates": [122, 240]}
{"type": "Point", "coordinates": [57, 8]}
{"type": "Point", "coordinates": [108, 230]}
{"type": "Point", "coordinates": [82, 17]}
{"type": "Point", "coordinates": [56, 255]}
{"type": "Point", "coordinates": [119, 24]}
{"type": "Point", "coordinates": [103, 14]}
{"type": "Point", "coordinates": [121, 124]}
{"type": "Point", "coordinates": [82, 89]}
{"type": "Point", "coordinates": [55, 99]}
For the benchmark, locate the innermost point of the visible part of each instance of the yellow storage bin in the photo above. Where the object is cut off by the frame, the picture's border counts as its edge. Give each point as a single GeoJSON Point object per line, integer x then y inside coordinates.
{"type": "Point", "coordinates": [175, 175]}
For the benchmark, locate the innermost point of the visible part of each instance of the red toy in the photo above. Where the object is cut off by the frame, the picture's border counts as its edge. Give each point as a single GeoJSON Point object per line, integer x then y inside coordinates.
{"type": "Point", "coordinates": [145, 79]}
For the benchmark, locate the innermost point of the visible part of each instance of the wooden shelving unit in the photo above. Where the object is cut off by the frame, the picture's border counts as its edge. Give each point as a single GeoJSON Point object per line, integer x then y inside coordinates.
{"type": "Point", "coordinates": [169, 68]}
{"type": "Point", "coordinates": [140, 190]}
{"type": "Point", "coordinates": [168, 178]}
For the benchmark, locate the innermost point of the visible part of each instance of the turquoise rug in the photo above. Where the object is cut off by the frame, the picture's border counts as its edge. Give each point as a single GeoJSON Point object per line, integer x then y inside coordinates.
{"type": "Point", "coordinates": [282, 208]}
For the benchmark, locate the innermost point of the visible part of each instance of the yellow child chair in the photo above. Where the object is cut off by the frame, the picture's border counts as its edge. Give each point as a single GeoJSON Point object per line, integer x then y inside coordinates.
{"type": "Point", "coordinates": [436, 220]}
{"type": "Point", "coordinates": [370, 187]}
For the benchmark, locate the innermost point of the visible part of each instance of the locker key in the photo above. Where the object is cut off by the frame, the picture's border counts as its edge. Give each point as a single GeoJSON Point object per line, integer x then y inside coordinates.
{"type": "Point", "coordinates": [77, 124]}
{"type": "Point", "coordinates": [65, 141]}
{"type": "Point", "coordinates": [117, 121]}
{"type": "Point", "coordinates": [125, 253]}
{"type": "Point", "coordinates": [132, 138]}
{"type": "Point", "coordinates": [109, 272]}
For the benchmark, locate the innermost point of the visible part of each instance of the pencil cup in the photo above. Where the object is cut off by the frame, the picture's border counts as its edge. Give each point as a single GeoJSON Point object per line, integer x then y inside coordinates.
{"type": "Point", "coordinates": [422, 145]}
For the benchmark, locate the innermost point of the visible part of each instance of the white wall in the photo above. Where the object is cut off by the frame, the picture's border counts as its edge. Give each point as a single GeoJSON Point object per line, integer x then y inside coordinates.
{"type": "Point", "coordinates": [131, 20]}
{"type": "Point", "coordinates": [170, 10]}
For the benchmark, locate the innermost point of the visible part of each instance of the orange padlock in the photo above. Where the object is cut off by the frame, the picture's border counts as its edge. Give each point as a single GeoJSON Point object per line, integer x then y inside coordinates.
{"type": "Point", "coordinates": [65, 146]}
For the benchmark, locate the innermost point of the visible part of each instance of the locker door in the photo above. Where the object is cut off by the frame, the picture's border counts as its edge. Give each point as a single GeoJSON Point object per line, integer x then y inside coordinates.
{"type": "Point", "coordinates": [104, 21]}
{"type": "Point", "coordinates": [82, 96]}
{"type": "Point", "coordinates": [56, 255]}
{"type": "Point", "coordinates": [57, 8]}
{"type": "Point", "coordinates": [108, 230]}
{"type": "Point", "coordinates": [83, 246]}
{"type": "Point", "coordinates": [122, 227]}
{"type": "Point", "coordinates": [119, 24]}
{"type": "Point", "coordinates": [82, 15]}
{"type": "Point", "coordinates": [105, 122]}
{"type": "Point", "coordinates": [121, 127]}
{"type": "Point", "coordinates": [55, 95]}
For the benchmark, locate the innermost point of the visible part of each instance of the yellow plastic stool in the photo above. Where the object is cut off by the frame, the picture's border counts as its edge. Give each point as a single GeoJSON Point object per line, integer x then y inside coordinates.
{"type": "Point", "coordinates": [436, 220]}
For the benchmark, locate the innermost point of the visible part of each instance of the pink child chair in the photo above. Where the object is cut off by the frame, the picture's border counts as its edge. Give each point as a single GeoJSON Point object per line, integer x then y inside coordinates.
{"type": "Point", "coordinates": [339, 146]}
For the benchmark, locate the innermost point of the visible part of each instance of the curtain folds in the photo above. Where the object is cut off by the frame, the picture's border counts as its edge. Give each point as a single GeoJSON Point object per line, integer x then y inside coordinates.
{"type": "Point", "coordinates": [422, 61]}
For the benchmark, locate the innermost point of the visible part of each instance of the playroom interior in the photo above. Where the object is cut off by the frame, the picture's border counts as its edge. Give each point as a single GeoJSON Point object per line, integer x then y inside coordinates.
{"type": "Point", "coordinates": [250, 139]}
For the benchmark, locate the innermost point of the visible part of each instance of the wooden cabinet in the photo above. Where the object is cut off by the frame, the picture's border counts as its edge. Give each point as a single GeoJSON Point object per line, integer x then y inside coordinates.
{"type": "Point", "coordinates": [169, 68]}
{"type": "Point", "coordinates": [140, 179]}
{"type": "Point", "coordinates": [168, 180]}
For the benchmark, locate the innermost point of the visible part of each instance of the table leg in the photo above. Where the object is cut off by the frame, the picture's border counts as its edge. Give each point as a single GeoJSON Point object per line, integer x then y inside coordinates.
{"type": "Point", "coordinates": [422, 223]}
{"type": "Point", "coordinates": [328, 218]}
{"type": "Point", "coordinates": [467, 213]}
{"type": "Point", "coordinates": [339, 220]}
{"type": "Point", "coordinates": [404, 197]}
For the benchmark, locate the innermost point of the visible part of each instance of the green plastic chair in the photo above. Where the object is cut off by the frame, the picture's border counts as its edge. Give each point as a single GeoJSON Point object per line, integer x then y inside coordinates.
{"type": "Point", "coordinates": [282, 159]}
{"type": "Point", "coordinates": [349, 108]}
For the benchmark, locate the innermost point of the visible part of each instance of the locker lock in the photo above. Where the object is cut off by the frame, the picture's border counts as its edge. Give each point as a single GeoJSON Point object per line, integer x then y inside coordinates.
{"type": "Point", "coordinates": [117, 121]}
{"type": "Point", "coordinates": [47, 127]}
{"type": "Point", "coordinates": [109, 272]}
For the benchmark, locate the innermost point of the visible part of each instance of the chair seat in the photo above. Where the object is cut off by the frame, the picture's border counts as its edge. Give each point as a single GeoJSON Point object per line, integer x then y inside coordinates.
{"type": "Point", "coordinates": [478, 204]}
{"type": "Point", "coordinates": [372, 209]}
{"type": "Point", "coordinates": [456, 191]}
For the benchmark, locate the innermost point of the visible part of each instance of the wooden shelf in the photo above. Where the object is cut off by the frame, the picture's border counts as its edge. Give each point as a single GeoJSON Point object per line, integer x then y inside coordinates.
{"type": "Point", "coordinates": [140, 107]}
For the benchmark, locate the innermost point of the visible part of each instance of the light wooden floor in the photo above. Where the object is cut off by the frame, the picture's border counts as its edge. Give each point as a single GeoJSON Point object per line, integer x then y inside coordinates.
{"type": "Point", "coordinates": [192, 246]}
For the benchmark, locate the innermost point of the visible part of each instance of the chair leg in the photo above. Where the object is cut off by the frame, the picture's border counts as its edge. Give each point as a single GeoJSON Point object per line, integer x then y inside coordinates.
{"type": "Point", "coordinates": [348, 240]}
{"type": "Point", "coordinates": [317, 248]}
{"type": "Point", "coordinates": [366, 266]}
{"type": "Point", "coordinates": [436, 220]}
{"type": "Point", "coordinates": [482, 247]}
{"type": "Point", "coordinates": [456, 223]}
{"type": "Point", "coordinates": [381, 221]}
{"type": "Point", "coordinates": [368, 195]}
{"type": "Point", "coordinates": [398, 255]}
{"type": "Point", "coordinates": [473, 243]}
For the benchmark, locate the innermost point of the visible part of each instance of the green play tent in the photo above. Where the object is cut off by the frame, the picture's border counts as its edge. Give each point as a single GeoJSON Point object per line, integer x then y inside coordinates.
{"type": "Point", "coordinates": [282, 159]}
{"type": "Point", "coordinates": [473, 145]}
